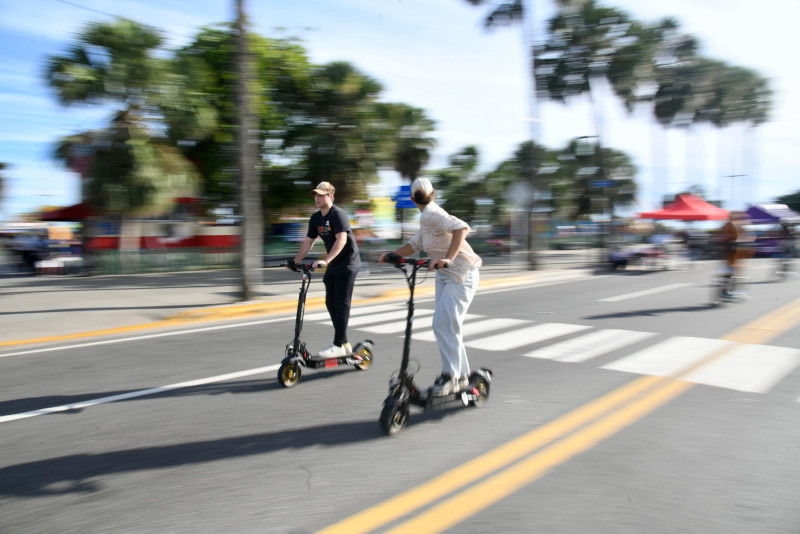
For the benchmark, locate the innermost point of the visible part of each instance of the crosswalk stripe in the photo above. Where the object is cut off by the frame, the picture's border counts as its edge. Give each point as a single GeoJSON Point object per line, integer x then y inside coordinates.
{"type": "Point", "coordinates": [354, 312]}
{"type": "Point", "coordinates": [400, 326]}
{"type": "Point", "coordinates": [589, 346]}
{"type": "Point", "coordinates": [751, 368]}
{"type": "Point", "coordinates": [525, 336]}
{"type": "Point", "coordinates": [389, 316]}
{"type": "Point", "coordinates": [668, 357]}
{"type": "Point", "coordinates": [477, 327]}
{"type": "Point", "coordinates": [746, 367]}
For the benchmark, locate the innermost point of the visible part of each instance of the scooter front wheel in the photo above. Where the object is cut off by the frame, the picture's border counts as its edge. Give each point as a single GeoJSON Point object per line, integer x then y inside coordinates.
{"type": "Point", "coordinates": [289, 374]}
{"type": "Point", "coordinates": [394, 417]}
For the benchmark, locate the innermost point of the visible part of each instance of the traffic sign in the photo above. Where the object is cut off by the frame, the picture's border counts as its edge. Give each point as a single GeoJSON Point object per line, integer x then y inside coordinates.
{"type": "Point", "coordinates": [403, 197]}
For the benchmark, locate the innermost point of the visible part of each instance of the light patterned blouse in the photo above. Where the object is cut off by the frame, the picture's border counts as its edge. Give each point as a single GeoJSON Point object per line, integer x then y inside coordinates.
{"type": "Point", "coordinates": [435, 234]}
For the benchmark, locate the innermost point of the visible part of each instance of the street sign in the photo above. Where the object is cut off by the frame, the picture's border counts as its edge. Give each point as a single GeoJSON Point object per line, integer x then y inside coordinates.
{"type": "Point", "coordinates": [602, 183]}
{"type": "Point", "coordinates": [403, 197]}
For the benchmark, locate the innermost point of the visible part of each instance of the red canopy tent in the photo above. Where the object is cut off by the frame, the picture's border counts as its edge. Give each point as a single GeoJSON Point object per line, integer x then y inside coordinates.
{"type": "Point", "coordinates": [77, 212]}
{"type": "Point", "coordinates": [687, 207]}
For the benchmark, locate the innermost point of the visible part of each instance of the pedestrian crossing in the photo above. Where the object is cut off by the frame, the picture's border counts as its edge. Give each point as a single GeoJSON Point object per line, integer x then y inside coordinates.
{"type": "Point", "coordinates": [713, 362]}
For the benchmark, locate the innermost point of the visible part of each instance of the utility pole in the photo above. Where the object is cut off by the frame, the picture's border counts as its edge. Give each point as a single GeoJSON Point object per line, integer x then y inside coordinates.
{"type": "Point", "coordinates": [252, 239]}
{"type": "Point", "coordinates": [531, 218]}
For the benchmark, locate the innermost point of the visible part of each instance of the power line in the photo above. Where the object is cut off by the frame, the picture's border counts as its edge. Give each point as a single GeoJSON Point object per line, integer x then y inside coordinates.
{"type": "Point", "coordinates": [105, 13]}
{"type": "Point", "coordinates": [73, 4]}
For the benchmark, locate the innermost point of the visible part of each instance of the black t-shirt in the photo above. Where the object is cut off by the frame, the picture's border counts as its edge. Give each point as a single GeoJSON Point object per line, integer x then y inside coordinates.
{"type": "Point", "coordinates": [326, 227]}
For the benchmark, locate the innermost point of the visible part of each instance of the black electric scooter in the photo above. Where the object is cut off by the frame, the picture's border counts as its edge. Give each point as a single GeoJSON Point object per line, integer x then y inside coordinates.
{"type": "Point", "coordinates": [402, 390]}
{"type": "Point", "coordinates": [296, 353]}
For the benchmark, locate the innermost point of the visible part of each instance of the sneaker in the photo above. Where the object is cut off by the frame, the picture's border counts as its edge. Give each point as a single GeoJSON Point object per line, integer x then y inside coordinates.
{"type": "Point", "coordinates": [463, 382]}
{"type": "Point", "coordinates": [347, 348]}
{"type": "Point", "coordinates": [444, 385]}
{"type": "Point", "coordinates": [334, 351]}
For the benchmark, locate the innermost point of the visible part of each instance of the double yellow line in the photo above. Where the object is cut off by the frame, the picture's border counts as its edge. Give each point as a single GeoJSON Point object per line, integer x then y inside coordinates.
{"type": "Point", "coordinates": [508, 468]}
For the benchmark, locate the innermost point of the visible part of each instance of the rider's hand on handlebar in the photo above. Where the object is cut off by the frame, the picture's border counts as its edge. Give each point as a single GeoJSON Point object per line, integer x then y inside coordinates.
{"type": "Point", "coordinates": [319, 264]}
{"type": "Point", "coordinates": [441, 263]}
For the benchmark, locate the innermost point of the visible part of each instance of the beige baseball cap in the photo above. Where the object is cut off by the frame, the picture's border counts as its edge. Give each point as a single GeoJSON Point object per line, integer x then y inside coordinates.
{"type": "Point", "coordinates": [324, 188]}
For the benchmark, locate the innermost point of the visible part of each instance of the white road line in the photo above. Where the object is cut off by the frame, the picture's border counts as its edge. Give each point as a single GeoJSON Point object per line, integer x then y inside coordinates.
{"type": "Point", "coordinates": [390, 316]}
{"type": "Point", "coordinates": [400, 326]}
{"type": "Point", "coordinates": [668, 357]}
{"type": "Point", "coordinates": [140, 393]}
{"type": "Point", "coordinates": [139, 338]}
{"type": "Point", "coordinates": [356, 311]}
{"type": "Point", "coordinates": [751, 368]}
{"type": "Point", "coordinates": [477, 327]}
{"type": "Point", "coordinates": [525, 336]}
{"type": "Point", "coordinates": [589, 346]}
{"type": "Point", "coordinates": [643, 293]}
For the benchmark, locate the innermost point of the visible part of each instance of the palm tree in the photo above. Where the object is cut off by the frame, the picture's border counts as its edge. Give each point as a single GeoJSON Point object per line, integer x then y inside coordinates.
{"type": "Point", "coordinates": [407, 130]}
{"type": "Point", "coordinates": [133, 172]}
{"type": "Point", "coordinates": [336, 131]}
{"type": "Point", "coordinates": [507, 13]}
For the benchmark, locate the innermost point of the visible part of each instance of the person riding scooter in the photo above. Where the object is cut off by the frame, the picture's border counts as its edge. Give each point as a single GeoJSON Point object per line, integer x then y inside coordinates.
{"type": "Point", "coordinates": [443, 237]}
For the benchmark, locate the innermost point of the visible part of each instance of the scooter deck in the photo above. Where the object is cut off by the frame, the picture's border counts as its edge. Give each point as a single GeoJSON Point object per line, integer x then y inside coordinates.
{"type": "Point", "coordinates": [425, 400]}
{"type": "Point", "coordinates": [316, 363]}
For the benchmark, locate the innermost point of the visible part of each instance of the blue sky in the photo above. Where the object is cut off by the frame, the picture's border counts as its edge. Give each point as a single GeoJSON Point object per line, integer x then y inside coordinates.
{"type": "Point", "coordinates": [432, 54]}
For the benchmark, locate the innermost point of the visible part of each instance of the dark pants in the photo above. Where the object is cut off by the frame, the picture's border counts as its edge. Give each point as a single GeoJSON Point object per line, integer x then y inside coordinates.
{"type": "Point", "coordinates": [338, 294]}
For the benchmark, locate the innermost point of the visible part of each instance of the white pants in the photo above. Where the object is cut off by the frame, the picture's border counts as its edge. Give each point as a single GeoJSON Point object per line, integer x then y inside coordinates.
{"type": "Point", "coordinates": [452, 301]}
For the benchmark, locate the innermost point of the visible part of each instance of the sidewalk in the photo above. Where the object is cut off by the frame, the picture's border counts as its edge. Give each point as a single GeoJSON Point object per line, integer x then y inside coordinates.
{"type": "Point", "coordinates": [50, 308]}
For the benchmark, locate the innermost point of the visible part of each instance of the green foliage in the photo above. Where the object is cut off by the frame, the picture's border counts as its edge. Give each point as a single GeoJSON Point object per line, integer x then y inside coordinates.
{"type": "Point", "coordinates": [109, 62]}
{"type": "Point", "coordinates": [406, 138]}
{"type": "Point", "coordinates": [645, 63]}
{"type": "Point", "coordinates": [792, 200]}
{"type": "Point", "coordinates": [336, 130]}
{"type": "Point", "coordinates": [282, 75]}
{"type": "Point", "coordinates": [131, 168]}
{"type": "Point", "coordinates": [459, 186]}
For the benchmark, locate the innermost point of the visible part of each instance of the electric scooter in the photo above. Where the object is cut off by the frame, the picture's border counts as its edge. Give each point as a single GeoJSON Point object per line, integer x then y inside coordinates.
{"type": "Point", "coordinates": [402, 390]}
{"type": "Point", "coordinates": [296, 354]}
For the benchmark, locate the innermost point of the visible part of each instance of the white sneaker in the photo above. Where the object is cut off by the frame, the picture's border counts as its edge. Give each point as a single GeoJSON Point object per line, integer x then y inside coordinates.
{"type": "Point", "coordinates": [348, 349]}
{"type": "Point", "coordinates": [444, 385]}
{"type": "Point", "coordinates": [334, 351]}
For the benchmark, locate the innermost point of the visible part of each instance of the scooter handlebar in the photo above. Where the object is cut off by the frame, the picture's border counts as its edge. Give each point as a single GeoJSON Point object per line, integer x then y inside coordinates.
{"type": "Point", "coordinates": [395, 259]}
{"type": "Point", "coordinates": [299, 267]}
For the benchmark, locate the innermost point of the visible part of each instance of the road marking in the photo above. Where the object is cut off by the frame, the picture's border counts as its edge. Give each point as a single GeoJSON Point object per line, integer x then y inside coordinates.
{"type": "Point", "coordinates": [668, 357]}
{"type": "Point", "coordinates": [525, 336]}
{"type": "Point", "coordinates": [140, 393]}
{"type": "Point", "coordinates": [355, 311]}
{"type": "Point", "coordinates": [476, 327]}
{"type": "Point", "coordinates": [511, 479]}
{"type": "Point", "coordinates": [487, 463]}
{"type": "Point", "coordinates": [400, 326]}
{"type": "Point", "coordinates": [139, 338]}
{"type": "Point", "coordinates": [600, 419]}
{"type": "Point", "coordinates": [643, 293]}
{"type": "Point", "coordinates": [751, 368]}
{"type": "Point", "coordinates": [389, 316]}
{"type": "Point", "coordinates": [589, 346]}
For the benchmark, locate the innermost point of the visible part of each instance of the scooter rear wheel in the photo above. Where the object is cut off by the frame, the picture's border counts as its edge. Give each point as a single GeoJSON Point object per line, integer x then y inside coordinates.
{"type": "Point", "coordinates": [289, 374]}
{"type": "Point", "coordinates": [366, 358]}
{"type": "Point", "coordinates": [482, 385]}
{"type": "Point", "coordinates": [394, 417]}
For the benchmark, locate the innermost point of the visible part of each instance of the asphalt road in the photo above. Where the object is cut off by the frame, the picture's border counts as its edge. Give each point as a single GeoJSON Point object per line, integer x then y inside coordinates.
{"type": "Point", "coordinates": [581, 433]}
